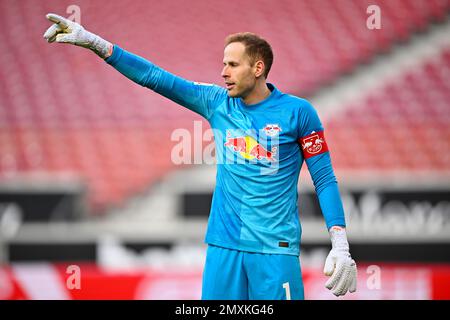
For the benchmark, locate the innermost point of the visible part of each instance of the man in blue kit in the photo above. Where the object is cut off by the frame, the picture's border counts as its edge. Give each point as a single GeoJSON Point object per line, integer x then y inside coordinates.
{"type": "Point", "coordinates": [262, 137]}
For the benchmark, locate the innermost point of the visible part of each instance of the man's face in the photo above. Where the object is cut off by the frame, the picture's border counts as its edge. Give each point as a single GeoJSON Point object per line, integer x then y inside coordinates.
{"type": "Point", "coordinates": [238, 73]}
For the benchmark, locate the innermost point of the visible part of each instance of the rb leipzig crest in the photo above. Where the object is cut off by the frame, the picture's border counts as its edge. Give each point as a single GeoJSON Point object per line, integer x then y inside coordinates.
{"type": "Point", "coordinates": [313, 144]}
{"type": "Point", "coordinates": [272, 129]}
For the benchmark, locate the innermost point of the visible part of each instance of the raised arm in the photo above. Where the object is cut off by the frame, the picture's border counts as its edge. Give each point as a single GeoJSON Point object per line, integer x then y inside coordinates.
{"type": "Point", "coordinates": [198, 97]}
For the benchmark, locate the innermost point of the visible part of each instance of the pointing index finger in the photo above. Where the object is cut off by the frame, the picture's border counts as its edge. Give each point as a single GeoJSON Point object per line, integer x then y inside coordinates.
{"type": "Point", "coordinates": [61, 21]}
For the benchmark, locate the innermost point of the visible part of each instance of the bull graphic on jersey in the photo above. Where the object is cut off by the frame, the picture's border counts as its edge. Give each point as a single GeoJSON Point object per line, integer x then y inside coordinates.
{"type": "Point", "coordinates": [249, 148]}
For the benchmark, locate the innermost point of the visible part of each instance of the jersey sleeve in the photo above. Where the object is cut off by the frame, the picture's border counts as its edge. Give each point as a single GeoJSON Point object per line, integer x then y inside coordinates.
{"type": "Point", "coordinates": [198, 97]}
{"type": "Point", "coordinates": [315, 151]}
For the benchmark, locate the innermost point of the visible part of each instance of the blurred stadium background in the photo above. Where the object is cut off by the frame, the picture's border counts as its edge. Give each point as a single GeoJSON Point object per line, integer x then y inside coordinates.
{"type": "Point", "coordinates": [86, 176]}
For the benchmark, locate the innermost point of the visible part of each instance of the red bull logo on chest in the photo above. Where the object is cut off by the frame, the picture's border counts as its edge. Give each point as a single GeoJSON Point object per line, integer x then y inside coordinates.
{"type": "Point", "coordinates": [249, 148]}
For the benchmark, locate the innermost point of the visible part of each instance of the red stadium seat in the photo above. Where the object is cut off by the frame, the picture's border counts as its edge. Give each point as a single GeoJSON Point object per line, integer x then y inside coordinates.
{"type": "Point", "coordinates": [412, 123]}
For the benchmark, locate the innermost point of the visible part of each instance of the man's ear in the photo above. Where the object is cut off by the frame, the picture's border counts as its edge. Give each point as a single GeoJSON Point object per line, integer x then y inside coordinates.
{"type": "Point", "coordinates": [259, 68]}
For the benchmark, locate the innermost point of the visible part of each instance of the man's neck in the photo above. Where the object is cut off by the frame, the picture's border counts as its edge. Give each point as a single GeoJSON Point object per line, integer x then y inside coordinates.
{"type": "Point", "coordinates": [258, 94]}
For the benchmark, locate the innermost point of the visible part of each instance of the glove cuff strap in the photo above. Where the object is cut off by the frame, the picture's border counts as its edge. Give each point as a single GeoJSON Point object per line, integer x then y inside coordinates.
{"type": "Point", "coordinates": [100, 46]}
{"type": "Point", "coordinates": [338, 238]}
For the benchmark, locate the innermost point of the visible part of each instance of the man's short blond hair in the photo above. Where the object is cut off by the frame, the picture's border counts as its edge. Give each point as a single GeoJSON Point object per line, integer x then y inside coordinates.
{"type": "Point", "coordinates": [256, 48]}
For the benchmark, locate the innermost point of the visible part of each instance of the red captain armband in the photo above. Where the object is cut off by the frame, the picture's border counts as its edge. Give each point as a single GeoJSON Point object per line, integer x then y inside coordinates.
{"type": "Point", "coordinates": [313, 144]}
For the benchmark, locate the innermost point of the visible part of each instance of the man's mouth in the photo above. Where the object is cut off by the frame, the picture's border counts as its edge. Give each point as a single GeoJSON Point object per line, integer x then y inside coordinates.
{"type": "Point", "coordinates": [229, 85]}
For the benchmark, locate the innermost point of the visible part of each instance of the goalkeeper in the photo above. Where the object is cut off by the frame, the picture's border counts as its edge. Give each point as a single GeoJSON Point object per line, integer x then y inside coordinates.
{"type": "Point", "coordinates": [254, 231]}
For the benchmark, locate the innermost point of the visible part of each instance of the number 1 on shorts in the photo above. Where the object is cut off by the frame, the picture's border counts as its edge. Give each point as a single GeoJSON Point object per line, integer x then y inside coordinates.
{"type": "Point", "coordinates": [288, 290]}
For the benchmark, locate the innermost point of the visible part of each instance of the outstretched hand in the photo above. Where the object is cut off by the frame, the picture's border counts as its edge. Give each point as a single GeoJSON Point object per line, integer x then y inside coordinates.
{"type": "Point", "coordinates": [66, 31]}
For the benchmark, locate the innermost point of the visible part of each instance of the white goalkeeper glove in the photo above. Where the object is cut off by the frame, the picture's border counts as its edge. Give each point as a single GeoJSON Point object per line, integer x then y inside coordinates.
{"type": "Point", "coordinates": [339, 265]}
{"type": "Point", "coordinates": [66, 31]}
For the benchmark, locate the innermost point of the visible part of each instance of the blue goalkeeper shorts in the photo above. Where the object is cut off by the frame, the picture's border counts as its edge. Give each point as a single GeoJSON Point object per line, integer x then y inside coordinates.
{"type": "Point", "coordinates": [239, 275]}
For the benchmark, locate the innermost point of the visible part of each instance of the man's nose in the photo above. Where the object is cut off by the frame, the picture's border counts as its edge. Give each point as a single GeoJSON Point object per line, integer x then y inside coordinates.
{"type": "Point", "coordinates": [225, 72]}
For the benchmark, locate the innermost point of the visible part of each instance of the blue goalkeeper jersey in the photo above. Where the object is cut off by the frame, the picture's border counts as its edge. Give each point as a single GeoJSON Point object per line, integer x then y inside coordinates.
{"type": "Point", "coordinates": [260, 149]}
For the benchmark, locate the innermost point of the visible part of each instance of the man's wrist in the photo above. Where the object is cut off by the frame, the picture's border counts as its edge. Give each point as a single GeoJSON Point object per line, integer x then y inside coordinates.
{"type": "Point", "coordinates": [338, 238]}
{"type": "Point", "coordinates": [99, 45]}
{"type": "Point", "coordinates": [110, 51]}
